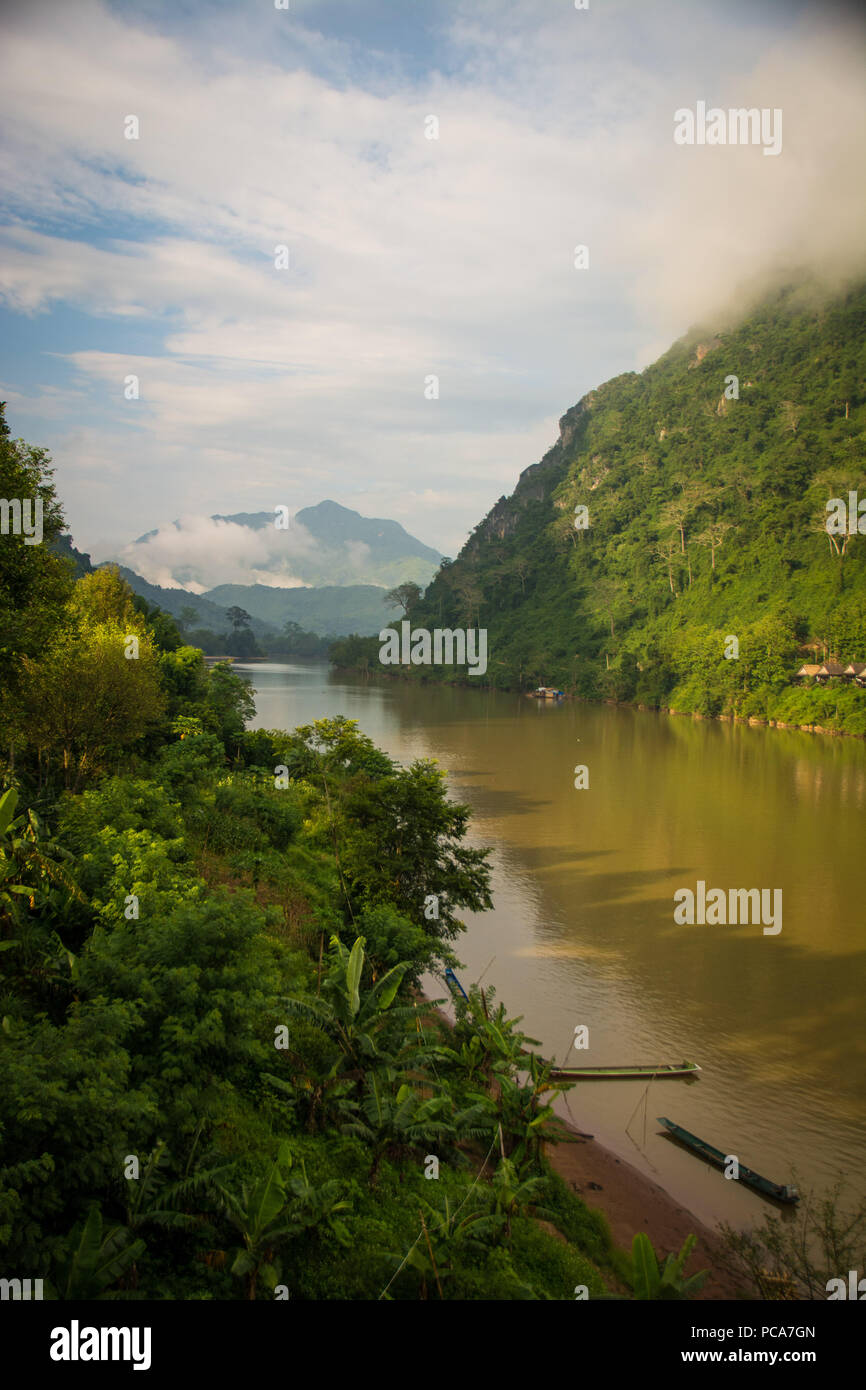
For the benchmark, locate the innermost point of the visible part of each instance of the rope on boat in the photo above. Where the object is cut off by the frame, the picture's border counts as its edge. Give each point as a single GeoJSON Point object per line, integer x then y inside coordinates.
{"type": "Point", "coordinates": [643, 1101]}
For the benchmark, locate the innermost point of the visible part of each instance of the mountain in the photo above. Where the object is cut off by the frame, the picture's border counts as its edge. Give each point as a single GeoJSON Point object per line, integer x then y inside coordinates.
{"type": "Point", "coordinates": [331, 610]}
{"type": "Point", "coordinates": [323, 545]}
{"type": "Point", "coordinates": [704, 480]}
{"type": "Point", "coordinates": [336, 525]}
{"type": "Point", "coordinates": [207, 614]}
{"type": "Point", "coordinates": [338, 609]}
{"type": "Point", "coordinates": [62, 545]}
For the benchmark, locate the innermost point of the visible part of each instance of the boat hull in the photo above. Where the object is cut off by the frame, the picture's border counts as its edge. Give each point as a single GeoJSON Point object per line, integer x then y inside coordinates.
{"type": "Point", "coordinates": [638, 1073]}
{"type": "Point", "coordinates": [776, 1192]}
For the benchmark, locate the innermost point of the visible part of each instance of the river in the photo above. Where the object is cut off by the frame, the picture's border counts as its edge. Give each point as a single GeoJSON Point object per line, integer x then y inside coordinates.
{"type": "Point", "coordinates": [583, 931]}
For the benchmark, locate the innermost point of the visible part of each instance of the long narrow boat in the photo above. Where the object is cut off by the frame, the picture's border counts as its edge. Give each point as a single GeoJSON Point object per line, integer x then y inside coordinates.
{"type": "Point", "coordinates": [778, 1192]}
{"type": "Point", "coordinates": [637, 1073]}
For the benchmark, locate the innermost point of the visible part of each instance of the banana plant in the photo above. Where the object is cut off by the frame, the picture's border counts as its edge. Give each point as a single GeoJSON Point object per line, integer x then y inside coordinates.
{"type": "Point", "coordinates": [32, 866]}
{"type": "Point", "coordinates": [446, 1237]}
{"type": "Point", "coordinates": [273, 1210]}
{"type": "Point", "coordinates": [528, 1122]}
{"type": "Point", "coordinates": [94, 1258]}
{"type": "Point", "coordinates": [260, 1215]}
{"type": "Point", "coordinates": [495, 1043]}
{"type": "Point", "coordinates": [363, 1023]}
{"type": "Point", "coordinates": [393, 1118]}
{"type": "Point", "coordinates": [650, 1279]}
{"type": "Point", "coordinates": [153, 1200]}
{"type": "Point", "coordinates": [510, 1195]}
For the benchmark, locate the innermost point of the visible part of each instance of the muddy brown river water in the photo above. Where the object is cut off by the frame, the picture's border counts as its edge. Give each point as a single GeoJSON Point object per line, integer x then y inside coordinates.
{"type": "Point", "coordinates": [583, 930]}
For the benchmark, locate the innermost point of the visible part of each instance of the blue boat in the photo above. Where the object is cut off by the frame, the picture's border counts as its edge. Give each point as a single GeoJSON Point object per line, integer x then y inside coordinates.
{"type": "Point", "coordinates": [455, 983]}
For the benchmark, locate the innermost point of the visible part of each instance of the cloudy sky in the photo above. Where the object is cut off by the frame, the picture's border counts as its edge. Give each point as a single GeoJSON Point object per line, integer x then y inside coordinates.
{"type": "Point", "coordinates": [408, 256]}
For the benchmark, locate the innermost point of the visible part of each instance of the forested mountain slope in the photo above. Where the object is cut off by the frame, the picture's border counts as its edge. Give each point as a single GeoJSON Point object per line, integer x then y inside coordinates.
{"type": "Point", "coordinates": [705, 480]}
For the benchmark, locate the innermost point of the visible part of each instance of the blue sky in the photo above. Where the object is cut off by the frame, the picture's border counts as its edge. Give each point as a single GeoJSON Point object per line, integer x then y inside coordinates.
{"type": "Point", "coordinates": [409, 257]}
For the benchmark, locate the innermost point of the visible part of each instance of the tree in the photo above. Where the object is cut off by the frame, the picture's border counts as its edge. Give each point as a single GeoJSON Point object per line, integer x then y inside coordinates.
{"type": "Point", "coordinates": [401, 841]}
{"type": "Point", "coordinates": [86, 699]}
{"type": "Point", "coordinates": [523, 568]}
{"type": "Point", "coordinates": [229, 700]}
{"type": "Point", "coordinates": [693, 494]}
{"type": "Point", "coordinates": [674, 514]}
{"type": "Point", "coordinates": [665, 550]}
{"type": "Point", "coordinates": [470, 596]}
{"type": "Point", "coordinates": [34, 581]}
{"type": "Point", "coordinates": [103, 598]}
{"type": "Point", "coordinates": [404, 596]}
{"type": "Point", "coordinates": [713, 536]}
{"type": "Point", "coordinates": [239, 617]}
{"type": "Point", "coordinates": [38, 896]}
{"type": "Point", "coordinates": [798, 1259]}
{"type": "Point", "coordinates": [608, 599]}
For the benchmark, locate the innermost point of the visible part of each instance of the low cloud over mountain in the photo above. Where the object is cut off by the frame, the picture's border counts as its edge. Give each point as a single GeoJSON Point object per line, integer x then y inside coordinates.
{"type": "Point", "coordinates": [326, 544]}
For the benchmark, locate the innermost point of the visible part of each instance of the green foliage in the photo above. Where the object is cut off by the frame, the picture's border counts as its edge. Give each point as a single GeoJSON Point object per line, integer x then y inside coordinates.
{"type": "Point", "coordinates": [652, 1279]}
{"type": "Point", "coordinates": [707, 518]}
{"type": "Point", "coordinates": [34, 581]}
{"type": "Point", "coordinates": [210, 962]}
{"type": "Point", "coordinates": [269, 1212]}
{"type": "Point", "coordinates": [296, 641]}
{"type": "Point", "coordinates": [94, 1259]}
{"type": "Point", "coordinates": [797, 1258]}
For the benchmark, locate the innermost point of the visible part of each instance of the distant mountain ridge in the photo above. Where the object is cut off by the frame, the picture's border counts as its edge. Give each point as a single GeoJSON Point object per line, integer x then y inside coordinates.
{"type": "Point", "coordinates": [324, 545]}
{"type": "Point", "coordinates": [331, 608]}
{"type": "Point", "coordinates": [336, 610]}
{"type": "Point", "coordinates": [330, 522]}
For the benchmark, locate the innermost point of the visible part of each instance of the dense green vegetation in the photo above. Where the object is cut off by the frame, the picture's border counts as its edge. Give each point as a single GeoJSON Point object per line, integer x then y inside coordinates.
{"type": "Point", "coordinates": [240, 640]}
{"type": "Point", "coordinates": [219, 1079]}
{"type": "Point", "coordinates": [706, 519]}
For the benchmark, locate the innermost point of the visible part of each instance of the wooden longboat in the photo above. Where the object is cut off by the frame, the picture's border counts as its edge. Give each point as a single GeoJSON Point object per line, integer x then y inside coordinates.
{"type": "Point", "coordinates": [636, 1073]}
{"type": "Point", "coordinates": [777, 1192]}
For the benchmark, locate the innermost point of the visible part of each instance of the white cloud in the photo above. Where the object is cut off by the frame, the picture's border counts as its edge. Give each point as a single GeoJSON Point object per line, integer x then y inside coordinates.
{"type": "Point", "coordinates": [408, 256]}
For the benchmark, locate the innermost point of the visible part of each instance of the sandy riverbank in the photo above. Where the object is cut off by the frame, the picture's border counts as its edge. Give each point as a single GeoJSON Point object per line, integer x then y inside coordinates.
{"type": "Point", "coordinates": [632, 1202]}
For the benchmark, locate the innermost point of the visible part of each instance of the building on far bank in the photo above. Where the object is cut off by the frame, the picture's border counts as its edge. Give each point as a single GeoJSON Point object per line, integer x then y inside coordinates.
{"type": "Point", "coordinates": [854, 671]}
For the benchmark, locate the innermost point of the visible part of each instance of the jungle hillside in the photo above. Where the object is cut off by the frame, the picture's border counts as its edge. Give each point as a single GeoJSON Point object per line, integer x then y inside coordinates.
{"type": "Point", "coordinates": [681, 506]}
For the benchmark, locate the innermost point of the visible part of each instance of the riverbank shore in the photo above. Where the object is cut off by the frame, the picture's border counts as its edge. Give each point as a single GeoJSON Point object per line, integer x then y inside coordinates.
{"type": "Point", "coordinates": [631, 1202]}
{"type": "Point", "coordinates": [753, 721]}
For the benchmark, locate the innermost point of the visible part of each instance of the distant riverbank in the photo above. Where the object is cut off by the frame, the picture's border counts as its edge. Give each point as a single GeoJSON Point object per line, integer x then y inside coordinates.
{"type": "Point", "coordinates": [754, 721]}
